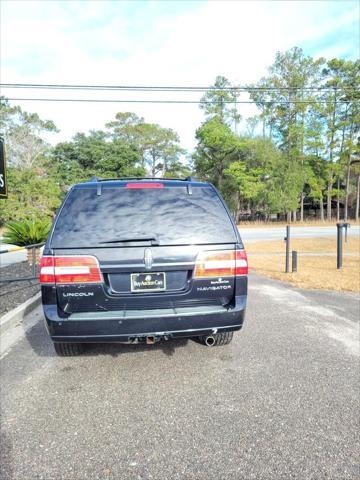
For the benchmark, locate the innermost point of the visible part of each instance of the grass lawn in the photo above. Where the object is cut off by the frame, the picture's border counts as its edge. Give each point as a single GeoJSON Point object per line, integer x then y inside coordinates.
{"type": "Point", "coordinates": [315, 271]}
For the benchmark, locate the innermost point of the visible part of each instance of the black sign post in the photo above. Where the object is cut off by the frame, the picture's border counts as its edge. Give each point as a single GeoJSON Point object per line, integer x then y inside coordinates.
{"type": "Point", "coordinates": [3, 183]}
{"type": "Point", "coordinates": [339, 259]}
{"type": "Point", "coordinates": [287, 254]}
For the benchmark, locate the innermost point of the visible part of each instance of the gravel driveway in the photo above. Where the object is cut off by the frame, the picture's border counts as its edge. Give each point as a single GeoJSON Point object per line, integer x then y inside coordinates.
{"type": "Point", "coordinates": [280, 402]}
{"type": "Point", "coordinates": [14, 294]}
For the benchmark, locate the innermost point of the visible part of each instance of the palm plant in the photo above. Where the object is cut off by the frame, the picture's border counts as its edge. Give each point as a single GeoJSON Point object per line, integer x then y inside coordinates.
{"type": "Point", "coordinates": [26, 232]}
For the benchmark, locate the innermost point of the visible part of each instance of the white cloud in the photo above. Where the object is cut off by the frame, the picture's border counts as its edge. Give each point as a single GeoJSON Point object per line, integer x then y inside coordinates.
{"type": "Point", "coordinates": [109, 43]}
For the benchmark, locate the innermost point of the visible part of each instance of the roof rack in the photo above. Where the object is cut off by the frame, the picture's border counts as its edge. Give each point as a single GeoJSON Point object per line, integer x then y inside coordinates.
{"type": "Point", "coordinates": [94, 178]}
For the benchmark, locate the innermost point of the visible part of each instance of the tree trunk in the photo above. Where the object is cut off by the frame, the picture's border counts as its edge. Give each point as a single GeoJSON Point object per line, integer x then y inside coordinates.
{"type": "Point", "coordinates": [347, 189]}
{"type": "Point", "coordinates": [322, 209]}
{"type": "Point", "coordinates": [331, 157]}
{"type": "Point", "coordinates": [164, 167]}
{"type": "Point", "coordinates": [288, 217]}
{"type": "Point", "coordinates": [238, 207]}
{"type": "Point", "coordinates": [328, 206]}
{"type": "Point", "coordinates": [294, 216]}
{"type": "Point", "coordinates": [263, 126]}
{"type": "Point", "coordinates": [153, 165]}
{"type": "Point", "coordinates": [357, 199]}
{"type": "Point", "coordinates": [30, 254]}
{"type": "Point", "coordinates": [338, 200]}
{"type": "Point", "coordinates": [302, 134]}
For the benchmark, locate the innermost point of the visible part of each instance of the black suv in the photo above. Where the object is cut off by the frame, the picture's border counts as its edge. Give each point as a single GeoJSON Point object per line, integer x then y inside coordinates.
{"type": "Point", "coordinates": [135, 260]}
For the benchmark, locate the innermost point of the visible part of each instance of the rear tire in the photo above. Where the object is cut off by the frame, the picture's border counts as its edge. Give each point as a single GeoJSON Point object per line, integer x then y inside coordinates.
{"type": "Point", "coordinates": [222, 338]}
{"type": "Point", "coordinates": [68, 349]}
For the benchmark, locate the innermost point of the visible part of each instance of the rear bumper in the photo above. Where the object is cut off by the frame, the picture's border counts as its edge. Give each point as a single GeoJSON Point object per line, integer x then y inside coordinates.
{"type": "Point", "coordinates": [125, 326]}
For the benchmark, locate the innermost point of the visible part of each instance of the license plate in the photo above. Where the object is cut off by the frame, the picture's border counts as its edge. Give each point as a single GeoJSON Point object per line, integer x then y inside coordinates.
{"type": "Point", "coordinates": [148, 282]}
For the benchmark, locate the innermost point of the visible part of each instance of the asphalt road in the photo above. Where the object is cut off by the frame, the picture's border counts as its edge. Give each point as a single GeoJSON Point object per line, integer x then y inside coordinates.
{"type": "Point", "coordinates": [278, 233]}
{"type": "Point", "coordinates": [281, 401]}
{"type": "Point", "coordinates": [11, 257]}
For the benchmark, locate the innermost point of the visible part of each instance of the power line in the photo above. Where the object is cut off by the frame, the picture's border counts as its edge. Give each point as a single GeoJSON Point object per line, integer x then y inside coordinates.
{"type": "Point", "coordinates": [105, 100]}
{"type": "Point", "coordinates": [149, 88]}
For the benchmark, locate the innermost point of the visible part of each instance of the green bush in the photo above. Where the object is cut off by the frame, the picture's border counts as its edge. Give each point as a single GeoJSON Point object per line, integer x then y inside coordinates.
{"type": "Point", "coordinates": [26, 232]}
{"type": "Point", "coordinates": [32, 193]}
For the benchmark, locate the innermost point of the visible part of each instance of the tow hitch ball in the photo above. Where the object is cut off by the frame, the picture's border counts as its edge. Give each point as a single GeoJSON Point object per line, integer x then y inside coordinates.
{"type": "Point", "coordinates": [153, 339]}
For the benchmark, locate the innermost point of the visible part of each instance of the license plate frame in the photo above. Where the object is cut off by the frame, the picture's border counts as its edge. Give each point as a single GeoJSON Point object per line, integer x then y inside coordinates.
{"type": "Point", "coordinates": [140, 278]}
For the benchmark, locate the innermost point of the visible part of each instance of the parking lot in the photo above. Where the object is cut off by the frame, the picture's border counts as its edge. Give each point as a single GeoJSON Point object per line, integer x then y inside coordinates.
{"type": "Point", "coordinates": [281, 401]}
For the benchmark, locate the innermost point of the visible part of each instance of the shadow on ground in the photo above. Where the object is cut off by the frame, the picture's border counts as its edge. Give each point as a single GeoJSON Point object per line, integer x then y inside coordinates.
{"type": "Point", "coordinates": [42, 345]}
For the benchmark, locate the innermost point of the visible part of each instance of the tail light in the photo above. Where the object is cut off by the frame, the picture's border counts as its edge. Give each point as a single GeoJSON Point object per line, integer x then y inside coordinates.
{"type": "Point", "coordinates": [241, 263]}
{"type": "Point", "coordinates": [70, 269]}
{"type": "Point", "coordinates": [221, 263]}
{"type": "Point", "coordinates": [47, 270]}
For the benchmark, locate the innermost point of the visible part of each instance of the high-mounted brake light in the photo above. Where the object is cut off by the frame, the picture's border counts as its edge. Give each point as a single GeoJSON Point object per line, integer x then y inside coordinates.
{"type": "Point", "coordinates": [145, 185]}
{"type": "Point", "coordinates": [221, 263]}
{"type": "Point", "coordinates": [70, 269]}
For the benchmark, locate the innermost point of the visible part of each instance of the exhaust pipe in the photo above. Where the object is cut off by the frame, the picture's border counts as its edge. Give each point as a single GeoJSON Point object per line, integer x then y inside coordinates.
{"type": "Point", "coordinates": [209, 341]}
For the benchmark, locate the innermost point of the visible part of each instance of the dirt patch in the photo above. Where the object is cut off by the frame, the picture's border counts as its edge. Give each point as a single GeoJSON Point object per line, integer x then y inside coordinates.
{"type": "Point", "coordinates": [316, 270]}
{"type": "Point", "coordinates": [15, 293]}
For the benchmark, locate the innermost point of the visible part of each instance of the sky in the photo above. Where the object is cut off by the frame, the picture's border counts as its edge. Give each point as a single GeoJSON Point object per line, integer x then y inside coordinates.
{"type": "Point", "coordinates": [158, 43]}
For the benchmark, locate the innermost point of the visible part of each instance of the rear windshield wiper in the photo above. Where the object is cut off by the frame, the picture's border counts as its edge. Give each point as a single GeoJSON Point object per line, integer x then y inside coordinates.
{"type": "Point", "coordinates": [153, 240]}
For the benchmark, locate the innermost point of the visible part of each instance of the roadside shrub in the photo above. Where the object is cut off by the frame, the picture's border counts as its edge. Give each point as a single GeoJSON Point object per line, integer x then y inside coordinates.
{"type": "Point", "coordinates": [32, 193]}
{"type": "Point", "coordinates": [26, 232]}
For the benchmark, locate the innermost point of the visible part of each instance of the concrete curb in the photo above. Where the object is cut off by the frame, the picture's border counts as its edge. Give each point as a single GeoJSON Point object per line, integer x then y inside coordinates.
{"type": "Point", "coordinates": [15, 316]}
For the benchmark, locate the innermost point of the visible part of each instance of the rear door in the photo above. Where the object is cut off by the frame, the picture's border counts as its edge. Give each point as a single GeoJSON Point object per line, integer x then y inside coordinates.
{"type": "Point", "coordinates": [148, 239]}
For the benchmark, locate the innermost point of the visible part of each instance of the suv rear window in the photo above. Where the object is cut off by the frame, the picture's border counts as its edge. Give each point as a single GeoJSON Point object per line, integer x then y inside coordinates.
{"type": "Point", "coordinates": [170, 214]}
